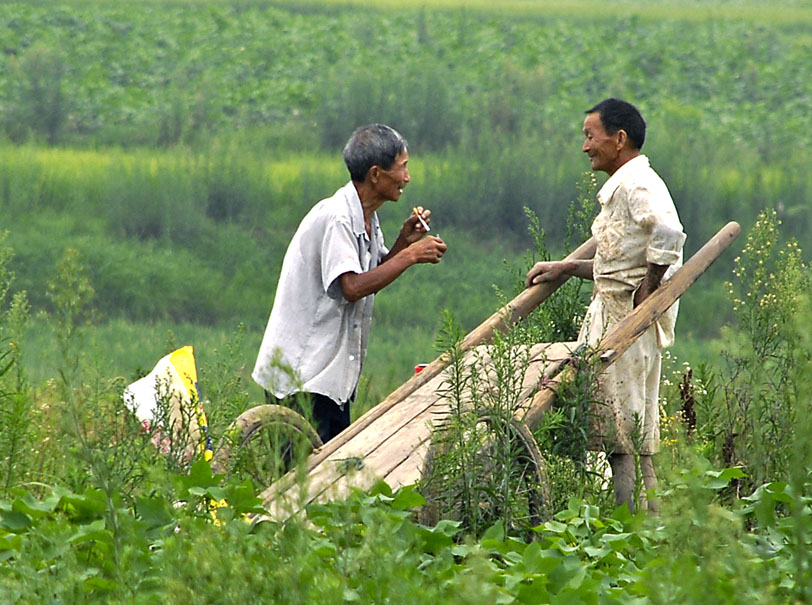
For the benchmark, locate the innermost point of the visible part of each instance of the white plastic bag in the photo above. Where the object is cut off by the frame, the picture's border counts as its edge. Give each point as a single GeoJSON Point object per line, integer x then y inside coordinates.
{"type": "Point", "coordinates": [173, 382]}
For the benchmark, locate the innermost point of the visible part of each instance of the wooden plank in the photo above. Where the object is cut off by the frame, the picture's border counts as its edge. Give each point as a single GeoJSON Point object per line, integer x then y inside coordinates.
{"type": "Point", "coordinates": [410, 470]}
{"type": "Point", "coordinates": [377, 446]}
{"type": "Point", "coordinates": [376, 434]}
{"type": "Point", "coordinates": [367, 458]}
{"type": "Point", "coordinates": [624, 333]}
{"type": "Point", "coordinates": [521, 306]}
{"type": "Point", "coordinates": [380, 463]}
{"type": "Point", "coordinates": [545, 359]}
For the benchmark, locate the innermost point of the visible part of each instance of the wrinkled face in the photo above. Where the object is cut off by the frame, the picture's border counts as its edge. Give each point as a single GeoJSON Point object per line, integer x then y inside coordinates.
{"type": "Point", "coordinates": [603, 149]}
{"type": "Point", "coordinates": [391, 182]}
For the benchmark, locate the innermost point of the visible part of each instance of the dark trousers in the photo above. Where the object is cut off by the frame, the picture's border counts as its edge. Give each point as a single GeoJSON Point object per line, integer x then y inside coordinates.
{"type": "Point", "coordinates": [325, 414]}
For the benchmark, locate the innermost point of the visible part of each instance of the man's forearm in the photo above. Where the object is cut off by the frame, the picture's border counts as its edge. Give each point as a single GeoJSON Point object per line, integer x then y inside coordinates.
{"type": "Point", "coordinates": [356, 286]}
{"type": "Point", "coordinates": [399, 245]}
{"type": "Point", "coordinates": [651, 281]}
{"type": "Point", "coordinates": [582, 269]}
{"type": "Point", "coordinates": [654, 275]}
{"type": "Point", "coordinates": [545, 271]}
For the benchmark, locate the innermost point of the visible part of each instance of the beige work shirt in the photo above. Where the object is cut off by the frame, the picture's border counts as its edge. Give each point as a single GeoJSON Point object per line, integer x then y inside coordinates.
{"type": "Point", "coordinates": [637, 225]}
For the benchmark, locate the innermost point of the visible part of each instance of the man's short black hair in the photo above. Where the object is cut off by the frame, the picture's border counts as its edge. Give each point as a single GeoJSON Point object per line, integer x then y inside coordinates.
{"type": "Point", "coordinates": [372, 145]}
{"type": "Point", "coordinates": [616, 114]}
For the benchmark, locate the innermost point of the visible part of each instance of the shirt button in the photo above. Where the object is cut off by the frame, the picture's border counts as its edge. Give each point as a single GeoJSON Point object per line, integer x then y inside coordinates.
{"type": "Point", "coordinates": [352, 357]}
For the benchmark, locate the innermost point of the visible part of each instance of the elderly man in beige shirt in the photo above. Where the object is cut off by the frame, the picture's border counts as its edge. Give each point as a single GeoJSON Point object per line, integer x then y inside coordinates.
{"type": "Point", "coordinates": [639, 243]}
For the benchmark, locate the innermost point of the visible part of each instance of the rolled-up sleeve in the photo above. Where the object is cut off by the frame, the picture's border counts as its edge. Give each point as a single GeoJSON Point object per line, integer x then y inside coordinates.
{"type": "Point", "coordinates": [665, 245]}
{"type": "Point", "coordinates": [651, 205]}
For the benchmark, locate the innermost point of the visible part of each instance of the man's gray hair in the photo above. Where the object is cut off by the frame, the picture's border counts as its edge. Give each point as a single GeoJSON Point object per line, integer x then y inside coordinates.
{"type": "Point", "coordinates": [372, 145]}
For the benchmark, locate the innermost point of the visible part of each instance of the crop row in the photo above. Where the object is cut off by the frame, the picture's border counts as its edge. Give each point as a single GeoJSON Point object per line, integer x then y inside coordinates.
{"type": "Point", "coordinates": [180, 72]}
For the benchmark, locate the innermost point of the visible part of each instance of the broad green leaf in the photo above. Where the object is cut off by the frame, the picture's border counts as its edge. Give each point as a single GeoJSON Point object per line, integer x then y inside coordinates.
{"type": "Point", "coordinates": [494, 534]}
{"type": "Point", "coordinates": [155, 511]}
{"type": "Point", "coordinates": [9, 543]}
{"type": "Point", "coordinates": [201, 475]}
{"type": "Point", "coordinates": [407, 498]}
{"type": "Point", "coordinates": [94, 531]}
{"type": "Point", "coordinates": [88, 506]}
{"type": "Point", "coordinates": [35, 508]}
{"type": "Point", "coordinates": [554, 526]}
{"type": "Point", "coordinates": [15, 521]}
{"type": "Point", "coordinates": [381, 487]}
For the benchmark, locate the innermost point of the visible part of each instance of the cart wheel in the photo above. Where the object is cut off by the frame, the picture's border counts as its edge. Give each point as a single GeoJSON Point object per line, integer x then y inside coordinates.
{"type": "Point", "coordinates": [504, 477]}
{"type": "Point", "coordinates": [264, 443]}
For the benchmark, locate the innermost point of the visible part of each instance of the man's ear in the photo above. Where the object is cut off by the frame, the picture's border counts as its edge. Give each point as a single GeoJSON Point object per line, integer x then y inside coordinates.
{"type": "Point", "coordinates": [373, 174]}
{"type": "Point", "coordinates": [622, 138]}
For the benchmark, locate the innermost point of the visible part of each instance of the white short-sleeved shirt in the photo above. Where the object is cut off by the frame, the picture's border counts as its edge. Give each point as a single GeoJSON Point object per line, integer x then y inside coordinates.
{"type": "Point", "coordinates": [313, 330]}
{"type": "Point", "coordinates": [637, 224]}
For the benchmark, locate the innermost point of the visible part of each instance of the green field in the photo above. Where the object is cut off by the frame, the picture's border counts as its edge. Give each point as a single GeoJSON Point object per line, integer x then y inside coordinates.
{"type": "Point", "coordinates": [176, 146]}
{"type": "Point", "coordinates": [248, 102]}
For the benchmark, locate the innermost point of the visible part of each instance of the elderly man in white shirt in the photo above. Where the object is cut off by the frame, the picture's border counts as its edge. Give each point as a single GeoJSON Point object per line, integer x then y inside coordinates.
{"type": "Point", "coordinates": [316, 339]}
{"type": "Point", "coordinates": [639, 243]}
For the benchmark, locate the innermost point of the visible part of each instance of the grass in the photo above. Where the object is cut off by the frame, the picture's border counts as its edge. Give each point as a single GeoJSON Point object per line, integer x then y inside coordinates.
{"type": "Point", "coordinates": [780, 12]}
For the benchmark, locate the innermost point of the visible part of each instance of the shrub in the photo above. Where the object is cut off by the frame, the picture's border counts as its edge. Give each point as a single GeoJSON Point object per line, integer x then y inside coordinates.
{"type": "Point", "coordinates": [37, 105]}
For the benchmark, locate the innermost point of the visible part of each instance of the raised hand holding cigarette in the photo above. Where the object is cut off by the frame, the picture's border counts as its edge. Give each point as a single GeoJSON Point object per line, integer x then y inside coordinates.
{"type": "Point", "coordinates": [418, 212]}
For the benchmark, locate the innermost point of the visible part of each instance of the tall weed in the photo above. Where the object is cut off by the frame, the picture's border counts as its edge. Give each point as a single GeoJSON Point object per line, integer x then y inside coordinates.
{"type": "Point", "coordinates": [800, 483]}
{"type": "Point", "coordinates": [746, 412]}
{"type": "Point", "coordinates": [559, 318]}
{"type": "Point", "coordinates": [759, 412]}
{"type": "Point", "coordinates": [491, 383]}
{"type": "Point", "coordinates": [16, 407]}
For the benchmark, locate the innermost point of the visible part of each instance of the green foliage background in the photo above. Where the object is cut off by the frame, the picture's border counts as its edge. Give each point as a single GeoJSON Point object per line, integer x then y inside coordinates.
{"type": "Point", "coordinates": [249, 103]}
{"type": "Point", "coordinates": [165, 152]}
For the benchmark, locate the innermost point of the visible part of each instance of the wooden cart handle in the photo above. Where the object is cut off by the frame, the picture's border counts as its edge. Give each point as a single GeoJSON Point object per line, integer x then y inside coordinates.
{"type": "Point", "coordinates": [621, 336]}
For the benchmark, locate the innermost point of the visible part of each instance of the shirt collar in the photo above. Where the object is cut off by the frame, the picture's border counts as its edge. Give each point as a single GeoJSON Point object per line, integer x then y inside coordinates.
{"type": "Point", "coordinates": [608, 189]}
{"type": "Point", "coordinates": [356, 210]}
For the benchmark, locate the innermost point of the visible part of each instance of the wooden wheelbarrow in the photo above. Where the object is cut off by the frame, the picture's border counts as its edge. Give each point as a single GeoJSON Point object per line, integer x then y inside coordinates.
{"type": "Point", "coordinates": [391, 441]}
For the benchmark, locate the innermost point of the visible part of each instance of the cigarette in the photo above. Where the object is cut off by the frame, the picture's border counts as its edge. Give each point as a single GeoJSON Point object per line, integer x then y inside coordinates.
{"type": "Point", "coordinates": [418, 213]}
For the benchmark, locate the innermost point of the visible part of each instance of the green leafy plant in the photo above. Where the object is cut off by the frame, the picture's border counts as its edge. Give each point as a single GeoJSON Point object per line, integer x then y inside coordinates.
{"type": "Point", "coordinates": [484, 465]}
{"type": "Point", "coordinates": [754, 414]}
